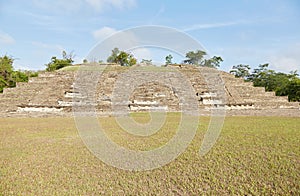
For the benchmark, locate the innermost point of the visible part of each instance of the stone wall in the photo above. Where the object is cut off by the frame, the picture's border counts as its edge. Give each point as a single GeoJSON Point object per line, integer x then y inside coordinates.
{"type": "Point", "coordinates": [52, 93]}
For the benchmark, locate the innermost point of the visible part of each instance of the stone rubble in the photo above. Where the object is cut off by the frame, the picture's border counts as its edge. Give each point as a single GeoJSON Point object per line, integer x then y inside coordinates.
{"type": "Point", "coordinates": [172, 88]}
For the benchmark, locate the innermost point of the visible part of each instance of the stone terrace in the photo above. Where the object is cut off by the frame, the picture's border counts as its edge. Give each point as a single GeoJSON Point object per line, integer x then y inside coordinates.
{"type": "Point", "coordinates": [52, 93]}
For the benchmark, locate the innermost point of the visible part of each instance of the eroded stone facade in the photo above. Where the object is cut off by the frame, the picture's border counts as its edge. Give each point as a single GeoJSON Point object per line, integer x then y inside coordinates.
{"type": "Point", "coordinates": [52, 93]}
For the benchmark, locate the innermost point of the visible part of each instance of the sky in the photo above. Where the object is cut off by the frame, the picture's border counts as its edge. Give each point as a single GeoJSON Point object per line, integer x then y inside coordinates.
{"type": "Point", "coordinates": [249, 32]}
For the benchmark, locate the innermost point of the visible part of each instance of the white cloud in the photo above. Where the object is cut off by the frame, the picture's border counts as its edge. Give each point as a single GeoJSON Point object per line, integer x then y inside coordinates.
{"type": "Point", "coordinates": [100, 5]}
{"type": "Point", "coordinates": [58, 5]}
{"type": "Point", "coordinates": [103, 33]}
{"type": "Point", "coordinates": [6, 38]}
{"type": "Point", "coordinates": [78, 59]}
{"type": "Point", "coordinates": [211, 25]}
{"type": "Point", "coordinates": [42, 54]}
{"type": "Point", "coordinates": [42, 45]}
{"type": "Point", "coordinates": [75, 5]}
{"type": "Point", "coordinates": [44, 51]}
{"type": "Point", "coordinates": [286, 60]}
{"type": "Point", "coordinates": [280, 58]}
{"type": "Point", "coordinates": [40, 19]}
{"type": "Point", "coordinates": [141, 53]}
{"type": "Point", "coordinates": [18, 66]}
{"type": "Point", "coordinates": [123, 40]}
{"type": "Point", "coordinates": [285, 64]}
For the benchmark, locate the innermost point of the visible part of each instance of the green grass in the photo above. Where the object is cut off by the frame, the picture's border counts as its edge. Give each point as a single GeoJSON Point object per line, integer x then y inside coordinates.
{"type": "Point", "coordinates": [253, 156]}
{"type": "Point", "coordinates": [93, 67]}
{"type": "Point", "coordinates": [70, 68]}
{"type": "Point", "coordinates": [97, 67]}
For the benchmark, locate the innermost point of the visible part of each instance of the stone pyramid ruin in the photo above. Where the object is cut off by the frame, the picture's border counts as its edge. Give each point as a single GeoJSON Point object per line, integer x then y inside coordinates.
{"type": "Point", "coordinates": [53, 93]}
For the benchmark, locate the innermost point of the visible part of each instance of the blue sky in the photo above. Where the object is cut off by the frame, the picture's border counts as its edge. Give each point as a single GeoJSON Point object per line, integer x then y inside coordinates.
{"type": "Point", "coordinates": [240, 31]}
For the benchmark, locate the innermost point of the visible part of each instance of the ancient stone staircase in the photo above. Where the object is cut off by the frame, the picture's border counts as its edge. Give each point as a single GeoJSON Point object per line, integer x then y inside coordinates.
{"type": "Point", "coordinates": [41, 93]}
{"type": "Point", "coordinates": [242, 92]}
{"type": "Point", "coordinates": [52, 93]}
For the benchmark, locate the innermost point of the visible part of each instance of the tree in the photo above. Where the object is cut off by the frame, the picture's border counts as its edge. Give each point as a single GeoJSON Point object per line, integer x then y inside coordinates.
{"type": "Point", "coordinates": [260, 75]}
{"type": "Point", "coordinates": [169, 59]}
{"type": "Point", "coordinates": [241, 71]}
{"type": "Point", "coordinates": [114, 53]}
{"type": "Point", "coordinates": [146, 62]}
{"type": "Point", "coordinates": [125, 59]}
{"type": "Point", "coordinates": [56, 63]}
{"type": "Point", "coordinates": [3, 84]}
{"type": "Point", "coordinates": [293, 89]}
{"type": "Point", "coordinates": [9, 77]}
{"type": "Point", "coordinates": [132, 60]}
{"type": "Point", "coordinates": [69, 57]}
{"type": "Point", "coordinates": [6, 70]}
{"type": "Point", "coordinates": [213, 62]}
{"type": "Point", "coordinates": [121, 57]}
{"type": "Point", "coordinates": [6, 66]}
{"type": "Point", "coordinates": [281, 83]}
{"type": "Point", "coordinates": [195, 58]}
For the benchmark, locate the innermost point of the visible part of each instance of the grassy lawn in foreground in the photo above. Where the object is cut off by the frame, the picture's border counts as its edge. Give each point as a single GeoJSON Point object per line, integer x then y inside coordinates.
{"type": "Point", "coordinates": [253, 155]}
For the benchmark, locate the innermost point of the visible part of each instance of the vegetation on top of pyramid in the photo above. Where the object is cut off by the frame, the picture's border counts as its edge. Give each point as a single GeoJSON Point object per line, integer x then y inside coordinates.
{"type": "Point", "coordinates": [281, 83]}
{"type": "Point", "coordinates": [55, 64]}
{"type": "Point", "coordinates": [146, 61]}
{"type": "Point", "coordinates": [9, 77]}
{"type": "Point", "coordinates": [197, 58]}
{"type": "Point", "coordinates": [121, 57]}
{"type": "Point", "coordinates": [169, 59]}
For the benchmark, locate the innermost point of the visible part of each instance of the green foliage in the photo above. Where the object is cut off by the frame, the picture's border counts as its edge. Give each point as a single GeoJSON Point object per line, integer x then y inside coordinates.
{"type": "Point", "coordinates": [213, 62]}
{"type": "Point", "coordinates": [195, 58]}
{"type": "Point", "coordinates": [272, 81]}
{"type": "Point", "coordinates": [293, 89]}
{"type": "Point", "coordinates": [146, 62]}
{"type": "Point", "coordinates": [169, 59]}
{"type": "Point", "coordinates": [56, 63]}
{"type": "Point", "coordinates": [9, 77]}
{"type": "Point", "coordinates": [32, 74]}
{"type": "Point", "coordinates": [241, 71]}
{"type": "Point", "coordinates": [114, 53]}
{"type": "Point", "coordinates": [85, 61]}
{"type": "Point", "coordinates": [6, 65]}
{"type": "Point", "coordinates": [6, 70]}
{"type": "Point", "coordinates": [19, 76]}
{"type": "Point", "coordinates": [121, 57]}
{"type": "Point", "coordinates": [281, 83]}
{"type": "Point", "coordinates": [3, 84]}
{"type": "Point", "coordinates": [260, 75]}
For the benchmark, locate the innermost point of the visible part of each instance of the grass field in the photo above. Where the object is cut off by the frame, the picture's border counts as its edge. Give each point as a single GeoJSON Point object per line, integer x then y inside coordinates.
{"type": "Point", "coordinates": [253, 156]}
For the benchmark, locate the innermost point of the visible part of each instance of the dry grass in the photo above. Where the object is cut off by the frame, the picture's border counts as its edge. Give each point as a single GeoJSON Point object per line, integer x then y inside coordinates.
{"type": "Point", "coordinates": [254, 155]}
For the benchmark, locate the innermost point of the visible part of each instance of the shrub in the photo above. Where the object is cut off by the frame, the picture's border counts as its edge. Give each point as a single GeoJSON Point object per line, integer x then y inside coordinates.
{"type": "Point", "coordinates": [56, 63]}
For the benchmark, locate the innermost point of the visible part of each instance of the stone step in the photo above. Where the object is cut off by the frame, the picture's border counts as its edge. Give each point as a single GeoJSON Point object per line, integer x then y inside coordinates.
{"type": "Point", "coordinates": [248, 89]}
{"type": "Point", "coordinates": [231, 78]}
{"type": "Point", "coordinates": [265, 94]}
{"type": "Point", "coordinates": [240, 83]}
{"type": "Point", "coordinates": [45, 81]}
{"type": "Point", "coordinates": [7, 106]}
{"type": "Point", "coordinates": [55, 90]}
{"type": "Point", "coordinates": [9, 96]}
{"type": "Point", "coordinates": [56, 73]}
{"type": "Point", "coordinates": [261, 98]}
{"type": "Point", "coordinates": [47, 75]}
{"type": "Point", "coordinates": [277, 105]}
{"type": "Point", "coordinates": [37, 87]}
